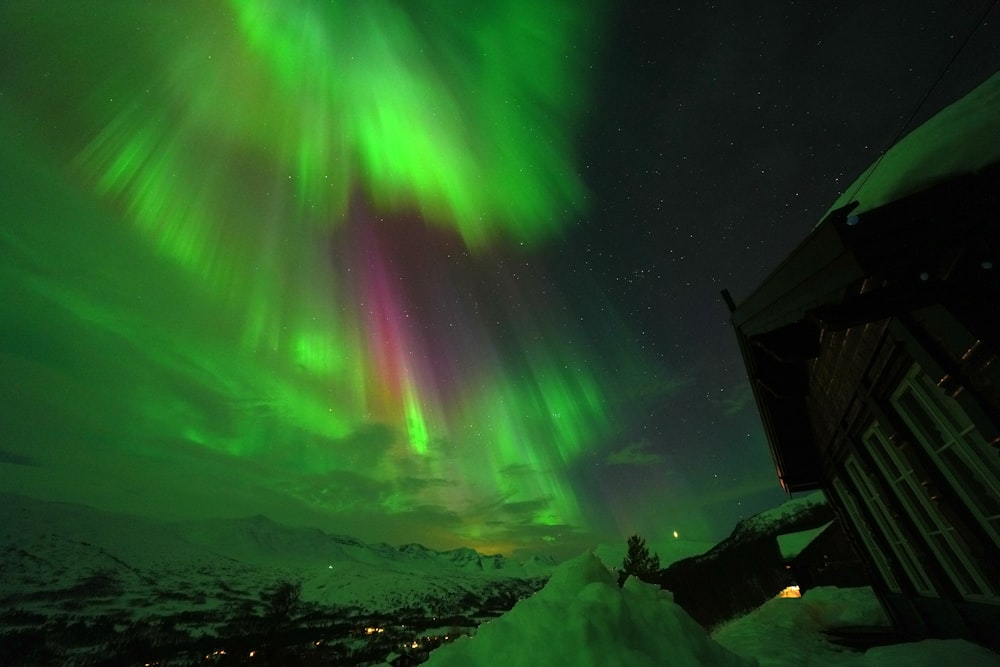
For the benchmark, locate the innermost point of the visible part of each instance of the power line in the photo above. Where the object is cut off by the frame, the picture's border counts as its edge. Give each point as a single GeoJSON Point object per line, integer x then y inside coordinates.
{"type": "Point", "coordinates": [923, 100]}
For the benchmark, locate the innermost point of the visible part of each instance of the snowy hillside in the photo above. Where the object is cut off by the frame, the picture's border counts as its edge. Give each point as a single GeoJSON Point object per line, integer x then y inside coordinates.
{"type": "Point", "coordinates": [83, 587]}
{"type": "Point", "coordinates": [62, 564]}
{"type": "Point", "coordinates": [98, 583]}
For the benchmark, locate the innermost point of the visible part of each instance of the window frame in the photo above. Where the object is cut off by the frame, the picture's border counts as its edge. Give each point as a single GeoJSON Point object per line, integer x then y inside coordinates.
{"type": "Point", "coordinates": [903, 475]}
{"type": "Point", "coordinates": [899, 544]}
{"type": "Point", "coordinates": [960, 434]}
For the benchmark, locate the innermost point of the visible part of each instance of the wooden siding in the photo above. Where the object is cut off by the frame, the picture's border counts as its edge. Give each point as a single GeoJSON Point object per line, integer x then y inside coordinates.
{"type": "Point", "coordinates": [836, 377]}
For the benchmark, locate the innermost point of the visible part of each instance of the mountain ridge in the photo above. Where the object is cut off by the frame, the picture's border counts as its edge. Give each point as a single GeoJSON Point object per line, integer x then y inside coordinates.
{"type": "Point", "coordinates": [258, 533]}
{"type": "Point", "coordinates": [51, 548]}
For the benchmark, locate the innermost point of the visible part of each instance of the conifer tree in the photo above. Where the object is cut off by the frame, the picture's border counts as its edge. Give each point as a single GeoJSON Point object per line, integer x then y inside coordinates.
{"type": "Point", "coordinates": [638, 561]}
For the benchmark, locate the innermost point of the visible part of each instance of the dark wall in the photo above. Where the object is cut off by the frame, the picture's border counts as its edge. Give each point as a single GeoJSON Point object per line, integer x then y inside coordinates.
{"type": "Point", "coordinates": [717, 588]}
{"type": "Point", "coordinates": [829, 560]}
{"type": "Point", "coordinates": [742, 572]}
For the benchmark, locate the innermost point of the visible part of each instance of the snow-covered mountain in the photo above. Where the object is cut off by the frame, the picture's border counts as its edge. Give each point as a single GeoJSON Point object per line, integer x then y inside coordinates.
{"type": "Point", "coordinates": [63, 563]}
{"type": "Point", "coordinates": [77, 583]}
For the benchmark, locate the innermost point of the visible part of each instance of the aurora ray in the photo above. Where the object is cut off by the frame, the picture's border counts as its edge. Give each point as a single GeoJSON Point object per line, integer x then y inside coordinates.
{"type": "Point", "coordinates": [327, 272]}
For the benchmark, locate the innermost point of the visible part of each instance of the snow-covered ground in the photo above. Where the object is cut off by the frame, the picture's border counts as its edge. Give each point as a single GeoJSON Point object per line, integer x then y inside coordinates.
{"type": "Point", "coordinates": [102, 584]}
{"type": "Point", "coordinates": [582, 618]}
{"type": "Point", "coordinates": [60, 560]}
{"type": "Point", "coordinates": [787, 632]}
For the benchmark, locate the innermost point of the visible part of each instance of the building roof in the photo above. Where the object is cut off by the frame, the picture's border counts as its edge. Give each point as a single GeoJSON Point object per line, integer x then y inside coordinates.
{"type": "Point", "coordinates": [792, 544]}
{"type": "Point", "coordinates": [853, 269]}
{"type": "Point", "coordinates": [959, 139]}
{"type": "Point", "coordinates": [908, 225]}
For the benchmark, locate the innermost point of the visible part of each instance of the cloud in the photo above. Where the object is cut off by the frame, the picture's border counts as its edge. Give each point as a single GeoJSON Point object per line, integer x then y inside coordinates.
{"type": "Point", "coordinates": [418, 484]}
{"type": "Point", "coordinates": [523, 511]}
{"type": "Point", "coordinates": [634, 454]}
{"type": "Point", "coordinates": [13, 458]}
{"type": "Point", "coordinates": [336, 492]}
{"type": "Point", "coordinates": [517, 469]}
{"type": "Point", "coordinates": [557, 540]}
{"type": "Point", "coordinates": [736, 399]}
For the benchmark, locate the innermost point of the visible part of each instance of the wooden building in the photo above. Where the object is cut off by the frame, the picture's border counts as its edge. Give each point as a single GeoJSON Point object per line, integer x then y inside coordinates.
{"type": "Point", "coordinates": [826, 559]}
{"type": "Point", "coordinates": [872, 352]}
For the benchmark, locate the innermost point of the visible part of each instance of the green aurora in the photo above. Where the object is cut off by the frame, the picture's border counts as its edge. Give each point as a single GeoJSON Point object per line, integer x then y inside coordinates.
{"type": "Point", "coordinates": [279, 257]}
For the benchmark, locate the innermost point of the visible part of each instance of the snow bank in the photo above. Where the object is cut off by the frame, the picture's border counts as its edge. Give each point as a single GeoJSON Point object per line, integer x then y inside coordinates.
{"type": "Point", "coordinates": [929, 653]}
{"type": "Point", "coordinates": [784, 627]}
{"type": "Point", "coordinates": [832, 607]}
{"type": "Point", "coordinates": [582, 618]}
{"type": "Point", "coordinates": [788, 632]}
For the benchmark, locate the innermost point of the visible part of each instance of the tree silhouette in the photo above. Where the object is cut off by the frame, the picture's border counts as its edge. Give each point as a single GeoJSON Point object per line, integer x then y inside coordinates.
{"type": "Point", "coordinates": [282, 600]}
{"type": "Point", "coordinates": [638, 562]}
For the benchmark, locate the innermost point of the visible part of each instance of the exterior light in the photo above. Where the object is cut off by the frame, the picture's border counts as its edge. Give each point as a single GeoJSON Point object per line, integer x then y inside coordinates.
{"type": "Point", "coordinates": [792, 591]}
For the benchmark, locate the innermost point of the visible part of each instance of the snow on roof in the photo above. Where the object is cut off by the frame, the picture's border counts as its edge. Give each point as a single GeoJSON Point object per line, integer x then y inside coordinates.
{"type": "Point", "coordinates": [792, 544]}
{"type": "Point", "coordinates": [760, 523]}
{"type": "Point", "coordinates": [961, 138]}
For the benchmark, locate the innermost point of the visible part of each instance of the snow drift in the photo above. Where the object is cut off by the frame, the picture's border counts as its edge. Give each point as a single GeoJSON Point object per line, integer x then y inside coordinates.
{"type": "Point", "coordinates": [582, 618]}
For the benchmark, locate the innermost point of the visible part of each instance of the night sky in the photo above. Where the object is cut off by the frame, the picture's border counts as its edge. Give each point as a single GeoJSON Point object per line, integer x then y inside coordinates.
{"type": "Point", "coordinates": [418, 273]}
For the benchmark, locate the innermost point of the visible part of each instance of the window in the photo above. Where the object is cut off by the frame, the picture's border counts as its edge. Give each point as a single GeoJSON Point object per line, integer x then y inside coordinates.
{"type": "Point", "coordinates": [865, 533]}
{"type": "Point", "coordinates": [952, 441]}
{"type": "Point", "coordinates": [901, 468]}
{"type": "Point", "coordinates": [889, 527]}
